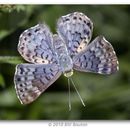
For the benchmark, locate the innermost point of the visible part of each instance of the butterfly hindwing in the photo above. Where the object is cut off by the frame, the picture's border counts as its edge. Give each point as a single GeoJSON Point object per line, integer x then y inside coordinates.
{"type": "Point", "coordinates": [76, 30]}
{"type": "Point", "coordinates": [99, 57]}
{"type": "Point", "coordinates": [31, 80]}
{"type": "Point", "coordinates": [36, 45]}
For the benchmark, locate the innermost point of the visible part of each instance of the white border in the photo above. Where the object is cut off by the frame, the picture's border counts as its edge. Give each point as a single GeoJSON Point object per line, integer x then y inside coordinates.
{"type": "Point", "coordinates": [65, 2]}
{"type": "Point", "coordinates": [41, 125]}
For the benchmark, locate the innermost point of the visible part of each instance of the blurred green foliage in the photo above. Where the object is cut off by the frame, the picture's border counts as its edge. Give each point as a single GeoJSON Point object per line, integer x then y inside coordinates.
{"type": "Point", "coordinates": [106, 97]}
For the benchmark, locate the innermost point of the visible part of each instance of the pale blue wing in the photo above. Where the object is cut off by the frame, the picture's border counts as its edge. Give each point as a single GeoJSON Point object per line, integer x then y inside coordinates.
{"type": "Point", "coordinates": [36, 45]}
{"type": "Point", "coordinates": [33, 79]}
{"type": "Point", "coordinates": [76, 30]}
{"type": "Point", "coordinates": [99, 57]}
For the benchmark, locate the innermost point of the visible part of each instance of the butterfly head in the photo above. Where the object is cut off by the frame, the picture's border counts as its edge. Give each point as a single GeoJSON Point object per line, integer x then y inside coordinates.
{"type": "Point", "coordinates": [68, 73]}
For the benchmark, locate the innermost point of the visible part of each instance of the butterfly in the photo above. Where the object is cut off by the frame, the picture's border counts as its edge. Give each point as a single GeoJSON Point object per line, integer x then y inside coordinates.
{"type": "Point", "coordinates": [52, 55]}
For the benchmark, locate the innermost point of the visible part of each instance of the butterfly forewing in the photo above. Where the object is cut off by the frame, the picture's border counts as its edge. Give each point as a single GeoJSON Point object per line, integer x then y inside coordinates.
{"type": "Point", "coordinates": [99, 57]}
{"type": "Point", "coordinates": [76, 30]}
{"type": "Point", "coordinates": [36, 45]}
{"type": "Point", "coordinates": [31, 80]}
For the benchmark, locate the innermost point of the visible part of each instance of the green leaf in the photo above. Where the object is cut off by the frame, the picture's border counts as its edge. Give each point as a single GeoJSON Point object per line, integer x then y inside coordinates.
{"type": "Point", "coordinates": [2, 82]}
{"type": "Point", "coordinates": [10, 59]}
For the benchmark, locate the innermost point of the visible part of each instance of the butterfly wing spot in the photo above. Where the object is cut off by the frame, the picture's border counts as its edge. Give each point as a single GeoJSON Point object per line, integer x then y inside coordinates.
{"type": "Point", "coordinates": [81, 46]}
{"type": "Point", "coordinates": [99, 57]}
{"type": "Point", "coordinates": [33, 79]}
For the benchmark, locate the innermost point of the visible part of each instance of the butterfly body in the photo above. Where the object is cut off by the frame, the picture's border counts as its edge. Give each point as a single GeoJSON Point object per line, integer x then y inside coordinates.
{"type": "Point", "coordinates": [63, 52]}
{"type": "Point", "coordinates": [63, 57]}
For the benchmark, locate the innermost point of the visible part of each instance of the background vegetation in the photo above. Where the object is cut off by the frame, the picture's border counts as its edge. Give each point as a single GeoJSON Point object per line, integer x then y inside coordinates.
{"type": "Point", "coordinates": [106, 97]}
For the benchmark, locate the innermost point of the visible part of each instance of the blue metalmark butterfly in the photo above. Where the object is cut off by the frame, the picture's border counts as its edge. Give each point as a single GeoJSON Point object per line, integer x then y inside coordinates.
{"type": "Point", "coordinates": [53, 55]}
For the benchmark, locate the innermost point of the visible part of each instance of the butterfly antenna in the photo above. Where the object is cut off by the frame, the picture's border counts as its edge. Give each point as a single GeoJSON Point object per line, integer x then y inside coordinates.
{"type": "Point", "coordinates": [69, 95]}
{"type": "Point", "coordinates": [77, 92]}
